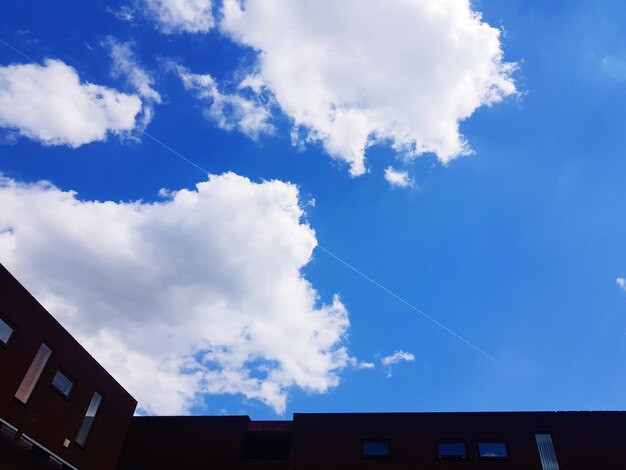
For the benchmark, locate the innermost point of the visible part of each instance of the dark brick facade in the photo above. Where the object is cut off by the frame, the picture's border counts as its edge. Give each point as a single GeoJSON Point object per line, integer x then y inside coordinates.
{"type": "Point", "coordinates": [48, 417]}
{"type": "Point", "coordinates": [581, 441]}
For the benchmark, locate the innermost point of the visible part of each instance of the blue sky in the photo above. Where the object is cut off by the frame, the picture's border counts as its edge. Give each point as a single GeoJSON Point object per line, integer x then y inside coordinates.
{"type": "Point", "coordinates": [517, 247]}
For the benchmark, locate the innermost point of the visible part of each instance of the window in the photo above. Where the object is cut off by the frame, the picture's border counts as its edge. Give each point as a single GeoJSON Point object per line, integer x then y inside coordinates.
{"type": "Point", "coordinates": [546, 452]}
{"type": "Point", "coordinates": [62, 384]}
{"type": "Point", "coordinates": [375, 449]}
{"type": "Point", "coordinates": [6, 331]}
{"type": "Point", "coordinates": [25, 443]}
{"type": "Point", "coordinates": [452, 450]}
{"type": "Point", "coordinates": [492, 450]}
{"type": "Point", "coordinates": [43, 454]}
{"type": "Point", "coordinates": [7, 429]}
{"type": "Point", "coordinates": [267, 444]}
{"type": "Point", "coordinates": [55, 462]}
{"type": "Point", "coordinates": [33, 373]}
{"type": "Point", "coordinates": [83, 433]}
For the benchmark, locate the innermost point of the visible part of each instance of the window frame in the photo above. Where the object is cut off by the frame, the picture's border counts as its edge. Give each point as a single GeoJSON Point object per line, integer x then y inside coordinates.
{"type": "Point", "coordinates": [375, 441]}
{"type": "Point", "coordinates": [62, 371]}
{"type": "Point", "coordinates": [452, 457]}
{"type": "Point", "coordinates": [493, 441]}
{"type": "Point", "coordinates": [34, 373]}
{"type": "Point", "coordinates": [83, 444]}
{"type": "Point", "coordinates": [11, 325]}
{"type": "Point", "coordinates": [546, 453]}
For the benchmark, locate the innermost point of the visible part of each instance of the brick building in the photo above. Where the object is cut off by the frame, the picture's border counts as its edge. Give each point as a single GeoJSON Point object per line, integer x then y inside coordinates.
{"type": "Point", "coordinates": [58, 406]}
{"type": "Point", "coordinates": [392, 441]}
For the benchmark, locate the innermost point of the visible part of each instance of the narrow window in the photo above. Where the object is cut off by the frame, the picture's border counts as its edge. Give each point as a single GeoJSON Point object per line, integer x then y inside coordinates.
{"type": "Point", "coordinates": [492, 450]}
{"type": "Point", "coordinates": [33, 373]}
{"type": "Point", "coordinates": [452, 450]}
{"type": "Point", "coordinates": [62, 384]}
{"type": "Point", "coordinates": [546, 452]}
{"type": "Point", "coordinates": [375, 449]}
{"type": "Point", "coordinates": [6, 331]}
{"type": "Point", "coordinates": [83, 433]}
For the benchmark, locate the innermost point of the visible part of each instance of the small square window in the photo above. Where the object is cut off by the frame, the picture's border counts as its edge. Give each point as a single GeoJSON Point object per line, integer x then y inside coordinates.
{"type": "Point", "coordinates": [62, 384]}
{"type": "Point", "coordinates": [452, 450]}
{"type": "Point", "coordinates": [492, 450]}
{"type": "Point", "coordinates": [375, 449]}
{"type": "Point", "coordinates": [6, 331]}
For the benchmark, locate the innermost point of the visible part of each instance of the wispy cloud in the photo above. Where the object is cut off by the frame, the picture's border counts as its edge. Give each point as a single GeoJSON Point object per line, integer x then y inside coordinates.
{"type": "Point", "coordinates": [249, 115]}
{"type": "Point", "coordinates": [181, 16]}
{"type": "Point", "coordinates": [621, 282]}
{"type": "Point", "coordinates": [395, 358]}
{"type": "Point", "coordinates": [123, 13]}
{"type": "Point", "coordinates": [125, 65]}
{"type": "Point", "coordinates": [360, 365]}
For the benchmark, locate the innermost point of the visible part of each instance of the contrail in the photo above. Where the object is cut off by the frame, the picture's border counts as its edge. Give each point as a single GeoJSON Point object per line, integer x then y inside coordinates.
{"type": "Point", "coordinates": [440, 325]}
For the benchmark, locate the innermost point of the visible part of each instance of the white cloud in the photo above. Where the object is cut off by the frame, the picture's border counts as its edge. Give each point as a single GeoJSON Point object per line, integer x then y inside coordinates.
{"type": "Point", "coordinates": [356, 72]}
{"type": "Point", "coordinates": [181, 16]}
{"type": "Point", "coordinates": [621, 282]}
{"type": "Point", "coordinates": [253, 82]}
{"type": "Point", "coordinates": [125, 65]}
{"type": "Point", "coordinates": [398, 178]}
{"type": "Point", "coordinates": [124, 13]}
{"type": "Point", "coordinates": [49, 104]}
{"type": "Point", "coordinates": [202, 293]}
{"type": "Point", "coordinates": [231, 110]}
{"type": "Point", "coordinates": [360, 365]}
{"type": "Point", "coordinates": [395, 358]}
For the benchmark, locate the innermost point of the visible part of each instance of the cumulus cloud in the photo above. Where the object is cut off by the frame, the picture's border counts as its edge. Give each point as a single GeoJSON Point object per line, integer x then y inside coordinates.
{"type": "Point", "coordinates": [395, 358]}
{"type": "Point", "coordinates": [398, 178]}
{"type": "Point", "coordinates": [249, 115]}
{"type": "Point", "coordinates": [48, 103]}
{"type": "Point", "coordinates": [125, 65]}
{"type": "Point", "coordinates": [621, 282]}
{"type": "Point", "coordinates": [181, 16]}
{"type": "Point", "coordinates": [356, 72]}
{"type": "Point", "coordinates": [201, 293]}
